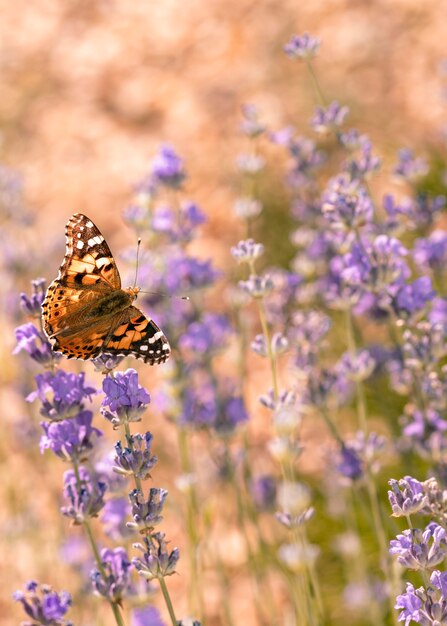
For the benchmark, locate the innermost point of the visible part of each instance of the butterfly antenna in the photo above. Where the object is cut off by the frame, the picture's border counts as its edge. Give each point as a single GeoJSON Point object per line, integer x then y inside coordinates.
{"type": "Point", "coordinates": [138, 259]}
{"type": "Point", "coordinates": [165, 295]}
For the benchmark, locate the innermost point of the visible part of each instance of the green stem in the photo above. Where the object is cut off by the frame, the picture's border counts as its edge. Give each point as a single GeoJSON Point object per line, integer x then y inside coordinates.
{"type": "Point", "coordinates": [315, 83]}
{"type": "Point", "coordinates": [192, 517]}
{"type": "Point", "coordinates": [167, 598]}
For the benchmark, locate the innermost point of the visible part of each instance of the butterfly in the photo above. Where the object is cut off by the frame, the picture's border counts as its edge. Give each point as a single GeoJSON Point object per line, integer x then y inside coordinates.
{"type": "Point", "coordinates": [86, 313]}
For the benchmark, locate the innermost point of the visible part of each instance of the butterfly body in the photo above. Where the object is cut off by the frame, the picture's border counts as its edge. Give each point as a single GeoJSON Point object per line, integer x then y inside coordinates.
{"type": "Point", "coordinates": [86, 312]}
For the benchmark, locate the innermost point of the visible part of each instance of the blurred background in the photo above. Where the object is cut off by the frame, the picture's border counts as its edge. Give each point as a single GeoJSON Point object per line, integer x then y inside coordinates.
{"type": "Point", "coordinates": [89, 91]}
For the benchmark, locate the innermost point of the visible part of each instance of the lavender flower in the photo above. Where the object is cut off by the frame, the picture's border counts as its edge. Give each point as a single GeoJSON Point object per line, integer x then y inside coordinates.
{"type": "Point", "coordinates": [247, 251]}
{"type": "Point", "coordinates": [356, 367]}
{"type": "Point", "coordinates": [302, 46]}
{"type": "Point", "coordinates": [33, 305]}
{"type": "Point", "coordinates": [346, 204]}
{"type": "Point", "coordinates": [278, 345]}
{"type": "Point", "coordinates": [263, 492]}
{"type": "Point", "coordinates": [126, 399]}
{"type": "Point", "coordinates": [146, 513]}
{"type": "Point", "coordinates": [167, 168]}
{"type": "Point", "coordinates": [62, 394]}
{"type": "Point", "coordinates": [407, 496]}
{"type": "Point", "coordinates": [417, 549]}
{"type": "Point", "coordinates": [44, 606]}
{"type": "Point", "coordinates": [409, 167]}
{"type": "Point", "coordinates": [115, 585]}
{"type": "Point", "coordinates": [431, 253]}
{"type": "Point", "coordinates": [250, 164]}
{"type": "Point", "coordinates": [72, 439]}
{"type": "Point", "coordinates": [425, 606]}
{"type": "Point", "coordinates": [34, 344]}
{"type": "Point", "coordinates": [329, 118]}
{"type": "Point", "coordinates": [156, 561]}
{"type": "Point", "coordinates": [85, 495]}
{"type": "Point", "coordinates": [257, 286]}
{"type": "Point", "coordinates": [114, 517]}
{"type": "Point", "coordinates": [136, 458]}
{"type": "Point", "coordinates": [208, 335]}
{"type": "Point", "coordinates": [146, 616]}
{"type": "Point", "coordinates": [251, 126]}
{"type": "Point", "coordinates": [247, 208]}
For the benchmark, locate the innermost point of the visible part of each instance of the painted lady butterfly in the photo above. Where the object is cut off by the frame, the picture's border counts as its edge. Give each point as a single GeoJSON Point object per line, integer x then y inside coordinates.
{"type": "Point", "coordinates": [86, 313]}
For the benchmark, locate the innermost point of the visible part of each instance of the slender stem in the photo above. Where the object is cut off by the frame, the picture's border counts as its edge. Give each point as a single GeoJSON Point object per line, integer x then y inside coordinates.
{"type": "Point", "coordinates": [315, 83]}
{"type": "Point", "coordinates": [192, 516]}
{"type": "Point", "coordinates": [271, 356]}
{"type": "Point", "coordinates": [168, 602]}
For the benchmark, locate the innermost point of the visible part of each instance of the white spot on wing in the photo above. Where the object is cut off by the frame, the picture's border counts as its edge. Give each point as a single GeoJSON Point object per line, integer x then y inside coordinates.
{"type": "Point", "coordinates": [89, 224]}
{"type": "Point", "coordinates": [80, 245]}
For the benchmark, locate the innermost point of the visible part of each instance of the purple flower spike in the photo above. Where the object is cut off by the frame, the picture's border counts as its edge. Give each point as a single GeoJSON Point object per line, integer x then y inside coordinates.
{"type": "Point", "coordinates": [114, 517]}
{"type": "Point", "coordinates": [115, 585]}
{"type": "Point", "coordinates": [417, 549]}
{"type": "Point", "coordinates": [263, 492]}
{"type": "Point", "coordinates": [44, 606]}
{"type": "Point", "coordinates": [425, 606]}
{"type": "Point", "coordinates": [146, 513]}
{"type": "Point", "coordinates": [210, 334]}
{"type": "Point", "coordinates": [62, 394]}
{"type": "Point", "coordinates": [85, 495]}
{"type": "Point", "coordinates": [136, 458]}
{"type": "Point", "coordinates": [251, 126]}
{"type": "Point", "coordinates": [157, 561]}
{"type": "Point", "coordinates": [33, 305]}
{"type": "Point", "coordinates": [350, 464]}
{"type": "Point", "coordinates": [147, 616]}
{"type": "Point", "coordinates": [71, 440]}
{"type": "Point", "coordinates": [302, 46]}
{"type": "Point", "coordinates": [257, 286]}
{"type": "Point", "coordinates": [167, 168]}
{"type": "Point", "coordinates": [407, 496]}
{"type": "Point", "coordinates": [409, 167]}
{"type": "Point", "coordinates": [330, 118]}
{"type": "Point", "coordinates": [126, 399]}
{"type": "Point", "coordinates": [247, 251]}
{"type": "Point", "coordinates": [34, 343]}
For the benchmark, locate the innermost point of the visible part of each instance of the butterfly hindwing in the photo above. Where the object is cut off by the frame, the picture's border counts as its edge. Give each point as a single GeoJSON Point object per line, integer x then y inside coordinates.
{"type": "Point", "coordinates": [140, 336]}
{"type": "Point", "coordinates": [86, 313]}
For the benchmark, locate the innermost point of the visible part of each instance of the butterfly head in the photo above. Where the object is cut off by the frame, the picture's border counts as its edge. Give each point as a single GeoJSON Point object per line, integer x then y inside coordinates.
{"type": "Point", "coordinates": [133, 292]}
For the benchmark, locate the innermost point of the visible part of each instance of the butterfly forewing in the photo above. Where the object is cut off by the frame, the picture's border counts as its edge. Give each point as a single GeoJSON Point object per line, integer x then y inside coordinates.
{"type": "Point", "coordinates": [85, 311]}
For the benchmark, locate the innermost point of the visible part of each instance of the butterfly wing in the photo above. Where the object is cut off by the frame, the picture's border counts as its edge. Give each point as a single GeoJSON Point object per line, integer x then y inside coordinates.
{"type": "Point", "coordinates": [128, 333]}
{"type": "Point", "coordinates": [87, 273]}
{"type": "Point", "coordinates": [138, 336]}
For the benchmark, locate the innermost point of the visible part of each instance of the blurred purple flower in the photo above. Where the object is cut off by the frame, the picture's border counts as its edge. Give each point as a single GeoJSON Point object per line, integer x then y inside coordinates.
{"type": "Point", "coordinates": [114, 516]}
{"type": "Point", "coordinates": [257, 286]}
{"type": "Point", "coordinates": [346, 204]}
{"type": "Point", "coordinates": [247, 251]}
{"type": "Point", "coordinates": [72, 439]}
{"type": "Point", "coordinates": [431, 252]}
{"type": "Point", "coordinates": [184, 273]}
{"type": "Point", "coordinates": [62, 394]}
{"type": "Point", "coordinates": [33, 305]}
{"type": "Point", "coordinates": [34, 343]}
{"type": "Point", "coordinates": [146, 616]}
{"type": "Point", "coordinates": [115, 584]}
{"type": "Point", "coordinates": [263, 492]}
{"type": "Point", "coordinates": [329, 118]}
{"type": "Point", "coordinates": [85, 495]}
{"type": "Point", "coordinates": [167, 168]}
{"type": "Point", "coordinates": [303, 46]}
{"type": "Point", "coordinates": [250, 125]}
{"type": "Point", "coordinates": [409, 167]}
{"type": "Point", "coordinates": [413, 297]}
{"type": "Point", "coordinates": [209, 334]}
{"type": "Point", "coordinates": [43, 605]}
{"type": "Point", "coordinates": [177, 225]}
{"type": "Point", "coordinates": [126, 399]}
